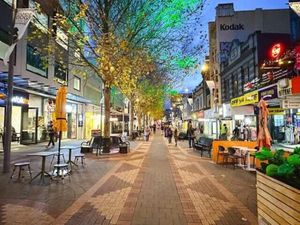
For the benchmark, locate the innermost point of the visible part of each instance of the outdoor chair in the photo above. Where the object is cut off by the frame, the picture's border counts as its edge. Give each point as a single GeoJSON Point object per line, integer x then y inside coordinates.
{"type": "Point", "coordinates": [81, 157]}
{"type": "Point", "coordinates": [62, 158]}
{"type": "Point", "coordinates": [21, 166]}
{"type": "Point", "coordinates": [234, 157]}
{"type": "Point", "coordinates": [222, 151]}
{"type": "Point", "coordinates": [63, 169]}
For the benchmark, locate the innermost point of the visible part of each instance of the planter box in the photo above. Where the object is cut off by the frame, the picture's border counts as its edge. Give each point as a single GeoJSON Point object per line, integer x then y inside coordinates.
{"type": "Point", "coordinates": [277, 202]}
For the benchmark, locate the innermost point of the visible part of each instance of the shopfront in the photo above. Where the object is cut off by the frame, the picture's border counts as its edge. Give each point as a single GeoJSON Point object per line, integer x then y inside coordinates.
{"type": "Point", "coordinates": [243, 115]}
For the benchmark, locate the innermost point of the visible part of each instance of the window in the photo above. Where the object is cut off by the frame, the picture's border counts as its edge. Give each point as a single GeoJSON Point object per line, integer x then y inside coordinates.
{"type": "Point", "coordinates": [35, 62]}
{"type": "Point", "coordinates": [77, 83]}
{"type": "Point", "coordinates": [61, 73]}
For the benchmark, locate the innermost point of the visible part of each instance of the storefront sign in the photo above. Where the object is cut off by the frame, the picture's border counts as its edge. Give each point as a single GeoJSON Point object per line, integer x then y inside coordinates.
{"type": "Point", "coordinates": [225, 27]}
{"type": "Point", "coordinates": [284, 87]}
{"type": "Point", "coordinates": [20, 100]}
{"type": "Point", "coordinates": [276, 111]}
{"type": "Point", "coordinates": [296, 85]}
{"type": "Point", "coordinates": [291, 104]}
{"type": "Point", "coordinates": [247, 99]}
{"type": "Point", "coordinates": [268, 93]}
{"type": "Point", "coordinates": [276, 50]}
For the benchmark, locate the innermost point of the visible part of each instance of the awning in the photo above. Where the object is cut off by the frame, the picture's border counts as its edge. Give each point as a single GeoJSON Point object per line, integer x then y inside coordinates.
{"type": "Point", "coordinates": [38, 88]}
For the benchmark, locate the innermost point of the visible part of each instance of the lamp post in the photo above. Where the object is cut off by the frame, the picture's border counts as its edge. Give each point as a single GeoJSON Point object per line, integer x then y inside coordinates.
{"type": "Point", "coordinates": [101, 115]}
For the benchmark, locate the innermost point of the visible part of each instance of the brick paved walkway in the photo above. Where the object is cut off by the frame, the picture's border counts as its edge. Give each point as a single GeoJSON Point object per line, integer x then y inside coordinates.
{"type": "Point", "coordinates": [157, 185]}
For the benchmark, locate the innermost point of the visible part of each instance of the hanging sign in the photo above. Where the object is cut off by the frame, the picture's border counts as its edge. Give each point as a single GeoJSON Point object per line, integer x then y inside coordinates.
{"type": "Point", "coordinates": [291, 104]}
{"type": "Point", "coordinates": [268, 93]}
{"type": "Point", "coordinates": [246, 99]}
{"type": "Point", "coordinates": [284, 87]}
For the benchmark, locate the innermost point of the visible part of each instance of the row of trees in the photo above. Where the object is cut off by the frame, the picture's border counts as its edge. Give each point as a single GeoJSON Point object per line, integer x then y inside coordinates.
{"type": "Point", "coordinates": [129, 44]}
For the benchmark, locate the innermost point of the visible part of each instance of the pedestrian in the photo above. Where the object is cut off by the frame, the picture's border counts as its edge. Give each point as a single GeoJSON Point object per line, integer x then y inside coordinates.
{"type": "Point", "coordinates": [224, 132]}
{"type": "Point", "coordinates": [154, 128]}
{"type": "Point", "coordinates": [191, 135]}
{"type": "Point", "coordinates": [236, 133]}
{"type": "Point", "coordinates": [147, 132]}
{"type": "Point", "coordinates": [162, 128]}
{"type": "Point", "coordinates": [51, 133]}
{"type": "Point", "coordinates": [175, 136]}
{"type": "Point", "coordinates": [169, 134]}
{"type": "Point", "coordinates": [244, 133]}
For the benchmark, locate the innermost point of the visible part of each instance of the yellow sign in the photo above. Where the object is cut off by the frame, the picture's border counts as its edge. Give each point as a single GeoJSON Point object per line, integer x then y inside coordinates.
{"type": "Point", "coordinates": [246, 99]}
{"type": "Point", "coordinates": [276, 111]}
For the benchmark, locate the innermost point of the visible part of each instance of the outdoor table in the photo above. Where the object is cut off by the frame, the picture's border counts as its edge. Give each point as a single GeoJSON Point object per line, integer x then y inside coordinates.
{"type": "Point", "coordinates": [70, 147]}
{"type": "Point", "coordinates": [247, 150]}
{"type": "Point", "coordinates": [43, 172]}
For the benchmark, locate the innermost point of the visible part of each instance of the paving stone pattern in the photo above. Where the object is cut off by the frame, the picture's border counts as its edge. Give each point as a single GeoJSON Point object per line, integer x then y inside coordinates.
{"type": "Point", "coordinates": [158, 184]}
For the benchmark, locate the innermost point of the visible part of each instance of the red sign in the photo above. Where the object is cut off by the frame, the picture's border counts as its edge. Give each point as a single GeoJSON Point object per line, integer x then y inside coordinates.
{"type": "Point", "coordinates": [276, 50]}
{"type": "Point", "coordinates": [297, 61]}
{"type": "Point", "coordinates": [296, 85]}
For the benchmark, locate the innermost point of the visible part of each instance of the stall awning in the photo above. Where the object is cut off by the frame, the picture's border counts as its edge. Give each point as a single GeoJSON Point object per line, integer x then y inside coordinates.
{"type": "Point", "coordinates": [25, 84]}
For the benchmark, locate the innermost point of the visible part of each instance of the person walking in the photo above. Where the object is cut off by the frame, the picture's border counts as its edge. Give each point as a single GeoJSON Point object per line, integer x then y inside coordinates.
{"type": "Point", "coordinates": [169, 134]}
{"type": "Point", "coordinates": [51, 134]}
{"type": "Point", "coordinates": [147, 133]}
{"type": "Point", "coordinates": [154, 128]}
{"type": "Point", "coordinates": [224, 132]}
{"type": "Point", "coordinates": [175, 136]}
{"type": "Point", "coordinates": [191, 135]}
{"type": "Point", "coordinates": [236, 133]}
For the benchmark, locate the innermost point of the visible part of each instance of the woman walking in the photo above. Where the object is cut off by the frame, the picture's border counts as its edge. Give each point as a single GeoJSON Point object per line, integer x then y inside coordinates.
{"type": "Point", "coordinates": [51, 134]}
{"type": "Point", "coordinates": [175, 136]}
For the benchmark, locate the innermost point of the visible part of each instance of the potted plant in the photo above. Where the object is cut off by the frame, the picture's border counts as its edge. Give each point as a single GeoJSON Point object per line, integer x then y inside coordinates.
{"type": "Point", "coordinates": [278, 187]}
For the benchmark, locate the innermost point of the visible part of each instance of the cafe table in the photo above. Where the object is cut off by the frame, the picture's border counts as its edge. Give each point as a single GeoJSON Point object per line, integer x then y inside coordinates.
{"type": "Point", "coordinates": [71, 148]}
{"type": "Point", "coordinates": [43, 172]}
{"type": "Point", "coordinates": [247, 151]}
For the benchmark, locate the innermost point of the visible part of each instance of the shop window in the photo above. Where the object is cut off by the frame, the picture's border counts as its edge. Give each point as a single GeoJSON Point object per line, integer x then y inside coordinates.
{"type": "Point", "coordinates": [35, 62]}
{"type": "Point", "coordinates": [77, 83]}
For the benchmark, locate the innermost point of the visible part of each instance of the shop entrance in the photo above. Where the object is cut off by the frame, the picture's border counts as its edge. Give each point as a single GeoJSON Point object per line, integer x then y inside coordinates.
{"type": "Point", "coordinates": [29, 125]}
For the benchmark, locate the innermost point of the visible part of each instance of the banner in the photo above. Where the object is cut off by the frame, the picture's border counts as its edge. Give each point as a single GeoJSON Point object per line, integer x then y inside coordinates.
{"type": "Point", "coordinates": [23, 18]}
{"type": "Point", "coordinates": [246, 99]}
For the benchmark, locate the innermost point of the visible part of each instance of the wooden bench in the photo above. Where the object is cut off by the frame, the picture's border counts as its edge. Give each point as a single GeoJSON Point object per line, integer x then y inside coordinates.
{"type": "Point", "coordinates": [203, 144]}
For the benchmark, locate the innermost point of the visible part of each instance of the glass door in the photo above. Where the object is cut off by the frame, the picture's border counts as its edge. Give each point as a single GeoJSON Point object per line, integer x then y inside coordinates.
{"type": "Point", "coordinates": [29, 126]}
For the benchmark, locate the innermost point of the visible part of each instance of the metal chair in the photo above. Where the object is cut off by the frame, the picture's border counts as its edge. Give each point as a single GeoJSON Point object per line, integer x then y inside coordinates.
{"type": "Point", "coordinates": [222, 151]}
{"type": "Point", "coordinates": [60, 171]}
{"type": "Point", "coordinates": [234, 158]}
{"type": "Point", "coordinates": [81, 157]}
{"type": "Point", "coordinates": [56, 156]}
{"type": "Point", "coordinates": [21, 166]}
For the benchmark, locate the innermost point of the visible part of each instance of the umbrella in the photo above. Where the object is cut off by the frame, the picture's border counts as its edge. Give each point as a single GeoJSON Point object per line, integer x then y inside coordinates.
{"type": "Point", "coordinates": [60, 122]}
{"type": "Point", "coordinates": [263, 138]}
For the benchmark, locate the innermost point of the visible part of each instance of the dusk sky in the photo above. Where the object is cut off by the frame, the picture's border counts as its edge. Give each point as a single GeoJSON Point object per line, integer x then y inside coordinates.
{"type": "Point", "coordinates": [192, 81]}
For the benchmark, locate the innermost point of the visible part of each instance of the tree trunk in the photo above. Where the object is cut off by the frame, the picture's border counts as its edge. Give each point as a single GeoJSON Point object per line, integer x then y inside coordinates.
{"type": "Point", "coordinates": [140, 121]}
{"type": "Point", "coordinates": [131, 118]}
{"type": "Point", "coordinates": [106, 134]}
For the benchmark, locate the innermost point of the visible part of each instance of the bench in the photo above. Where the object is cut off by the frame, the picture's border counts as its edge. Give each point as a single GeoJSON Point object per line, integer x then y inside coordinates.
{"type": "Point", "coordinates": [203, 144]}
{"type": "Point", "coordinates": [95, 143]}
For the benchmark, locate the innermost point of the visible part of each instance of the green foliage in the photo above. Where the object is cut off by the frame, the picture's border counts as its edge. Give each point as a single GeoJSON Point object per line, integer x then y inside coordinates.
{"type": "Point", "coordinates": [294, 160]}
{"type": "Point", "coordinates": [297, 150]}
{"type": "Point", "coordinates": [264, 154]}
{"type": "Point", "coordinates": [282, 165]}
{"type": "Point", "coordinates": [285, 170]}
{"type": "Point", "coordinates": [271, 170]}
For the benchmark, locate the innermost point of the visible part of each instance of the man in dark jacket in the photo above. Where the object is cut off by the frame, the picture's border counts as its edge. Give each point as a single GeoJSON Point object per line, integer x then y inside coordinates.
{"type": "Point", "coordinates": [51, 134]}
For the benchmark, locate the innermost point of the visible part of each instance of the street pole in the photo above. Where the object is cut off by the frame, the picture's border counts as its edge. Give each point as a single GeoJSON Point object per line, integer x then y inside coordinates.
{"type": "Point", "coordinates": [8, 111]}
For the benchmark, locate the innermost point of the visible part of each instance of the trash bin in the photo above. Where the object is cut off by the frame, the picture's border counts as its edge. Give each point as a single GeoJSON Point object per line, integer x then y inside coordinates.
{"type": "Point", "coordinates": [123, 148]}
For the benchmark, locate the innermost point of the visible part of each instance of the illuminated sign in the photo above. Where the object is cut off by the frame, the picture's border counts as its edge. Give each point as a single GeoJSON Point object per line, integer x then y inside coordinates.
{"type": "Point", "coordinates": [295, 6]}
{"type": "Point", "coordinates": [268, 93]}
{"type": "Point", "coordinates": [276, 111]}
{"type": "Point", "coordinates": [276, 50]}
{"type": "Point", "coordinates": [286, 89]}
{"type": "Point", "coordinates": [246, 99]}
{"type": "Point", "coordinates": [20, 100]}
